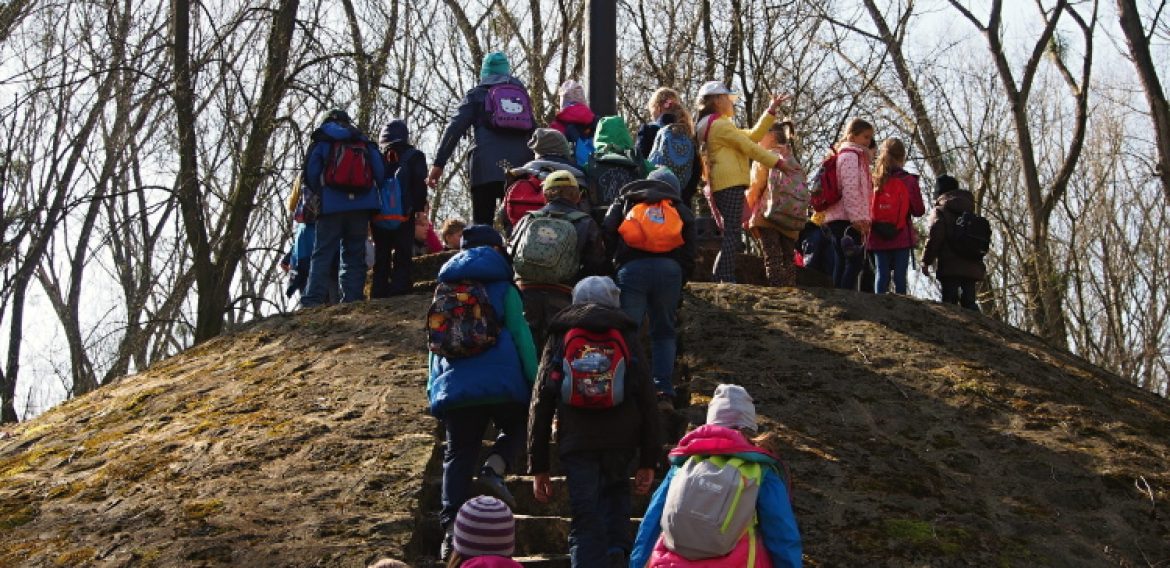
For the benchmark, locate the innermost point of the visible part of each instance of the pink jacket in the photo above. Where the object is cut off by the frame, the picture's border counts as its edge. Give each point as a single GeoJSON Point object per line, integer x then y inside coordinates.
{"type": "Point", "coordinates": [856, 186]}
{"type": "Point", "coordinates": [491, 562]}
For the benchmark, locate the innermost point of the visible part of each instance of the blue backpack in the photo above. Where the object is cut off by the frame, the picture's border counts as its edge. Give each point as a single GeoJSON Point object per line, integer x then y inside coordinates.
{"type": "Point", "coordinates": [583, 151]}
{"type": "Point", "coordinates": [675, 150]}
{"type": "Point", "coordinates": [393, 211]}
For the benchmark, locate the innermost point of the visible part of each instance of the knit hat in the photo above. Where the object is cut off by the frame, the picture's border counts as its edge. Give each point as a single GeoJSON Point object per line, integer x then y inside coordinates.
{"type": "Point", "coordinates": [732, 407]}
{"type": "Point", "coordinates": [561, 185]}
{"type": "Point", "coordinates": [663, 174]}
{"type": "Point", "coordinates": [480, 236]}
{"type": "Point", "coordinates": [944, 184]}
{"type": "Point", "coordinates": [571, 92]}
{"type": "Point", "coordinates": [597, 290]}
{"type": "Point", "coordinates": [395, 132]}
{"type": "Point", "coordinates": [549, 142]}
{"type": "Point", "coordinates": [484, 527]}
{"type": "Point", "coordinates": [495, 63]}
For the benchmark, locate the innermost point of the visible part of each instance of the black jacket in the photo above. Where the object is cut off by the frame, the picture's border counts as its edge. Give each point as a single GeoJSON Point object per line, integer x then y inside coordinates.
{"type": "Point", "coordinates": [649, 191]}
{"type": "Point", "coordinates": [412, 176]}
{"type": "Point", "coordinates": [633, 424]}
{"type": "Point", "coordinates": [948, 207]}
{"type": "Point", "coordinates": [590, 246]}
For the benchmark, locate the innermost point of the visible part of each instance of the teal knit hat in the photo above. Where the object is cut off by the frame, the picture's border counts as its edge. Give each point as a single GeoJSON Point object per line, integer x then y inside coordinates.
{"type": "Point", "coordinates": [495, 63]}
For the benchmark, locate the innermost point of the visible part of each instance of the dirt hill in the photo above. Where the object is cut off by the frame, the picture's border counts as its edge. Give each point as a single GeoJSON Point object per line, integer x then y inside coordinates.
{"type": "Point", "coordinates": [917, 435]}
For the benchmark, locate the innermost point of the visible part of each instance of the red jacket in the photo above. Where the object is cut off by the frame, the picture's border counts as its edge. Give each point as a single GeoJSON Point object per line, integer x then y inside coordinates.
{"type": "Point", "coordinates": [905, 238]}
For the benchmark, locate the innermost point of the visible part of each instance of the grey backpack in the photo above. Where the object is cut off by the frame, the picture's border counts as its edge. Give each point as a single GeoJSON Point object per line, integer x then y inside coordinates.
{"type": "Point", "coordinates": [710, 504]}
{"type": "Point", "coordinates": [544, 248]}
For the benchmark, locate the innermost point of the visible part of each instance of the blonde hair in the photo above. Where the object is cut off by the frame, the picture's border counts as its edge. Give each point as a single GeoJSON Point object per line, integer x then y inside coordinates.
{"type": "Point", "coordinates": [452, 226]}
{"type": "Point", "coordinates": [891, 155]}
{"type": "Point", "coordinates": [667, 100]}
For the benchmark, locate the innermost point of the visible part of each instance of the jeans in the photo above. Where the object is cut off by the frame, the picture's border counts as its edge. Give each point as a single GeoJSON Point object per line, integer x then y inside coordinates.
{"type": "Point", "coordinates": [392, 252]}
{"type": "Point", "coordinates": [653, 286]}
{"type": "Point", "coordinates": [484, 198]}
{"type": "Point", "coordinates": [540, 305]}
{"type": "Point", "coordinates": [599, 499]}
{"type": "Point", "coordinates": [848, 267]}
{"type": "Point", "coordinates": [895, 261]}
{"type": "Point", "coordinates": [730, 202]}
{"type": "Point", "coordinates": [348, 230]}
{"type": "Point", "coordinates": [465, 428]}
{"type": "Point", "coordinates": [960, 291]}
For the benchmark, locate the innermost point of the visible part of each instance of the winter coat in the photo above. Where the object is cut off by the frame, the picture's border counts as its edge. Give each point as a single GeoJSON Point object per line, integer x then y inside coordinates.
{"type": "Point", "coordinates": [412, 176]}
{"type": "Point", "coordinates": [777, 536]}
{"type": "Point", "coordinates": [490, 562]}
{"type": "Point", "coordinates": [490, 145]}
{"type": "Point", "coordinates": [760, 191]}
{"type": "Point", "coordinates": [575, 121]}
{"type": "Point", "coordinates": [649, 191]}
{"type": "Point", "coordinates": [313, 195]}
{"type": "Point", "coordinates": [730, 151]}
{"type": "Point", "coordinates": [590, 246]}
{"type": "Point", "coordinates": [907, 237]}
{"type": "Point", "coordinates": [503, 373]}
{"type": "Point", "coordinates": [547, 164]}
{"type": "Point", "coordinates": [856, 186]}
{"type": "Point", "coordinates": [632, 424]}
{"type": "Point", "coordinates": [947, 208]}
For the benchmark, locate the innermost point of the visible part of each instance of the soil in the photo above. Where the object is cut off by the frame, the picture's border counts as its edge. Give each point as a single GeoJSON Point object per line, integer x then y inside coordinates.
{"type": "Point", "coordinates": [916, 435]}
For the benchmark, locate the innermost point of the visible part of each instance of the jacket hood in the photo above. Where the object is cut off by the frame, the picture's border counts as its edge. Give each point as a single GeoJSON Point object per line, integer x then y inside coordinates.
{"type": "Point", "coordinates": [576, 113]}
{"type": "Point", "coordinates": [489, 80]}
{"type": "Point", "coordinates": [394, 134]}
{"type": "Point", "coordinates": [959, 201]}
{"type": "Point", "coordinates": [594, 317]}
{"type": "Point", "coordinates": [549, 164]}
{"type": "Point", "coordinates": [712, 440]}
{"type": "Point", "coordinates": [335, 131]}
{"type": "Point", "coordinates": [482, 264]}
{"type": "Point", "coordinates": [491, 562]}
{"type": "Point", "coordinates": [649, 190]}
{"type": "Point", "coordinates": [613, 136]}
{"type": "Point", "coordinates": [703, 126]}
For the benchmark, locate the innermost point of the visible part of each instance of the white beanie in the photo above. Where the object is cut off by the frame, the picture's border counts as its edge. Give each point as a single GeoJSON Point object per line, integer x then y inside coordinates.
{"type": "Point", "coordinates": [732, 407]}
{"type": "Point", "coordinates": [597, 290]}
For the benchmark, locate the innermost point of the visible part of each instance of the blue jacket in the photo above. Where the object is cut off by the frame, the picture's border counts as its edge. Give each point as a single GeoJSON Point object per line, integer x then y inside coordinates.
{"type": "Point", "coordinates": [328, 200]}
{"type": "Point", "coordinates": [777, 523]}
{"type": "Point", "coordinates": [489, 145]}
{"type": "Point", "coordinates": [500, 374]}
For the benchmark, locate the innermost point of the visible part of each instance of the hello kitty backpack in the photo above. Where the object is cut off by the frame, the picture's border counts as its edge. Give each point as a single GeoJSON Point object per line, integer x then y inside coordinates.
{"type": "Point", "coordinates": [508, 107]}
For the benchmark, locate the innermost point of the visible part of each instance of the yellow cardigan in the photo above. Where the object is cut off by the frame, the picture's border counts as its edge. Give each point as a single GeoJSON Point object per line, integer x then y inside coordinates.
{"type": "Point", "coordinates": [730, 150]}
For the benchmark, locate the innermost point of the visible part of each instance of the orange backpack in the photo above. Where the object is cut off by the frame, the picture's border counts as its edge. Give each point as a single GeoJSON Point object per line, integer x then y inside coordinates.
{"type": "Point", "coordinates": [653, 227]}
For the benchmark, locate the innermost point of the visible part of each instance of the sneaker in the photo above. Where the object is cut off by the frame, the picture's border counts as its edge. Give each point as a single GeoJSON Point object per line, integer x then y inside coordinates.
{"type": "Point", "coordinates": [447, 546]}
{"type": "Point", "coordinates": [496, 486]}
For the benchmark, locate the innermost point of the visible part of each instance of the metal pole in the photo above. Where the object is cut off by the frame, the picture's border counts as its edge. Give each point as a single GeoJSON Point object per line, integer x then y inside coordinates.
{"type": "Point", "coordinates": [601, 56]}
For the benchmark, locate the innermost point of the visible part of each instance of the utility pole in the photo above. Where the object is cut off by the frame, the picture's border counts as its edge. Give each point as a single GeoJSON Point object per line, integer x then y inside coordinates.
{"type": "Point", "coordinates": [601, 56]}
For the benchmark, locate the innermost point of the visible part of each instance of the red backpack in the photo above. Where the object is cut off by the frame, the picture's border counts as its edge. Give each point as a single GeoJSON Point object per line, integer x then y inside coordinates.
{"type": "Point", "coordinates": [594, 368]}
{"type": "Point", "coordinates": [825, 187]}
{"type": "Point", "coordinates": [524, 196]}
{"type": "Point", "coordinates": [348, 168]}
{"type": "Point", "coordinates": [890, 206]}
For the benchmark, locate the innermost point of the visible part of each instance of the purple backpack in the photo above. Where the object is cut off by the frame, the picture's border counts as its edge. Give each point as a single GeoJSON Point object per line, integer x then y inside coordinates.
{"type": "Point", "coordinates": [508, 106]}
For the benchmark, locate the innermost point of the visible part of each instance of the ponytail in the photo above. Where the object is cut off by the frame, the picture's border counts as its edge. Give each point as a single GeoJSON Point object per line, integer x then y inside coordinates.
{"type": "Point", "coordinates": [891, 156]}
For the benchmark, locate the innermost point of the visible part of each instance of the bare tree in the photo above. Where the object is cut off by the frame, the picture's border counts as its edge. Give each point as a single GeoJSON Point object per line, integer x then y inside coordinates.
{"type": "Point", "coordinates": [1138, 40]}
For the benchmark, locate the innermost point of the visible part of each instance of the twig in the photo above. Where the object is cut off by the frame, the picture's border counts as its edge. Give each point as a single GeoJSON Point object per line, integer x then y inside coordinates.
{"type": "Point", "coordinates": [1144, 486]}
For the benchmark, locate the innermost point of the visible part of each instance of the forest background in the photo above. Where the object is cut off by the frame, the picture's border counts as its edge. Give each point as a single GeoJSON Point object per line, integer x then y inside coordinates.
{"type": "Point", "coordinates": [147, 148]}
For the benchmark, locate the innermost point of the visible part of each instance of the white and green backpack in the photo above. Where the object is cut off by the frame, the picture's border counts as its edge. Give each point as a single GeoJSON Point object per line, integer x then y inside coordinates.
{"type": "Point", "coordinates": [710, 504]}
{"type": "Point", "coordinates": [544, 249]}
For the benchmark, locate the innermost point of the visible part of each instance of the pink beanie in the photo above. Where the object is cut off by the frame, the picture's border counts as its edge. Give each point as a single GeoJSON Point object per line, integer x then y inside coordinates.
{"type": "Point", "coordinates": [571, 92]}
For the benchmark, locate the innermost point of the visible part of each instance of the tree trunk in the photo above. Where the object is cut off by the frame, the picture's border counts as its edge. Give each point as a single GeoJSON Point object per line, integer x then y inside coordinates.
{"type": "Point", "coordinates": [1143, 61]}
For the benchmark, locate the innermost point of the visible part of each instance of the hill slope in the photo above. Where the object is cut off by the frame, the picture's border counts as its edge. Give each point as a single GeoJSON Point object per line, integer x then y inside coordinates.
{"type": "Point", "coordinates": [917, 436]}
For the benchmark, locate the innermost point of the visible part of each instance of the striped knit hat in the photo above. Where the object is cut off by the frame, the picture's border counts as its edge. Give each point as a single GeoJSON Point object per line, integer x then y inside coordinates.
{"type": "Point", "coordinates": [484, 527]}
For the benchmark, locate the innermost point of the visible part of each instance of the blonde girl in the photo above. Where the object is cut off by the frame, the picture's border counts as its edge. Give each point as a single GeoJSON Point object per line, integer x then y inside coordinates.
{"type": "Point", "coordinates": [727, 153]}
{"type": "Point", "coordinates": [892, 240]}
{"type": "Point", "coordinates": [666, 108]}
{"type": "Point", "coordinates": [849, 219]}
{"type": "Point", "coordinates": [778, 200]}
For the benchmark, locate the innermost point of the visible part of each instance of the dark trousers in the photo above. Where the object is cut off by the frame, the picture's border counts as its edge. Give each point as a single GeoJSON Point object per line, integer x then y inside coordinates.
{"type": "Point", "coordinates": [540, 305]}
{"type": "Point", "coordinates": [485, 198]}
{"type": "Point", "coordinates": [599, 500]}
{"type": "Point", "coordinates": [848, 267]}
{"type": "Point", "coordinates": [960, 291]}
{"type": "Point", "coordinates": [465, 427]}
{"type": "Point", "coordinates": [778, 250]}
{"type": "Point", "coordinates": [392, 252]}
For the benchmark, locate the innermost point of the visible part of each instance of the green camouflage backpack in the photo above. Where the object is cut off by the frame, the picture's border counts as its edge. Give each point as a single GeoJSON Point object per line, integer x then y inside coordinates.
{"type": "Point", "coordinates": [544, 248]}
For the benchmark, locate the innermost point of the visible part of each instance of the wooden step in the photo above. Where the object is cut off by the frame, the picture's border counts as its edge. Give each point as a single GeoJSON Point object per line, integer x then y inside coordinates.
{"type": "Point", "coordinates": [537, 535]}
